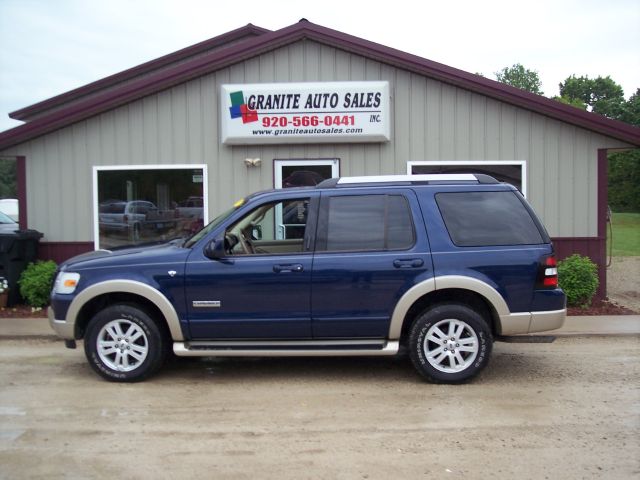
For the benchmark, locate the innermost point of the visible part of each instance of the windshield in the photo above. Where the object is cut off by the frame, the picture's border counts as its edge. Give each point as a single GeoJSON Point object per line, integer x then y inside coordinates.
{"type": "Point", "coordinates": [5, 218]}
{"type": "Point", "coordinates": [212, 225]}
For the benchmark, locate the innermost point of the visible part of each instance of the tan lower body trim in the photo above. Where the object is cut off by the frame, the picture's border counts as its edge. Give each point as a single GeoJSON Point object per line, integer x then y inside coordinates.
{"type": "Point", "coordinates": [531, 322]}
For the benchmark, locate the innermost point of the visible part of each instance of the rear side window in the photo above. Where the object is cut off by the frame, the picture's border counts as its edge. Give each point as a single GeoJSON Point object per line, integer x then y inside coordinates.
{"type": "Point", "coordinates": [476, 219]}
{"type": "Point", "coordinates": [366, 222]}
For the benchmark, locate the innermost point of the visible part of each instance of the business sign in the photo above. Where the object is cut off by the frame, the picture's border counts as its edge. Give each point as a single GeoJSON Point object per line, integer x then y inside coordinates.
{"type": "Point", "coordinates": [305, 112]}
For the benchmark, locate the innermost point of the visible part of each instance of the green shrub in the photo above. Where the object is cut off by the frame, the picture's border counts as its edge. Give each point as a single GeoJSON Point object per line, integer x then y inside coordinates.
{"type": "Point", "coordinates": [36, 282]}
{"type": "Point", "coordinates": [578, 277]}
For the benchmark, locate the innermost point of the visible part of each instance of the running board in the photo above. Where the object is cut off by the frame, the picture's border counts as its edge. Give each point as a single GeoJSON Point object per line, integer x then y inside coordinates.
{"type": "Point", "coordinates": [286, 348]}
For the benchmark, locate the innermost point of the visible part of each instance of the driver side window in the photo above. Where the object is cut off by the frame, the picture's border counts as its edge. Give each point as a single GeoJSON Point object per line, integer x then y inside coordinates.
{"type": "Point", "coordinates": [270, 229]}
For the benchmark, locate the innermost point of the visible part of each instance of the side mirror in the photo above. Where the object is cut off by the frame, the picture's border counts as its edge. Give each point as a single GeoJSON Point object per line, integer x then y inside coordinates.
{"type": "Point", "coordinates": [215, 249]}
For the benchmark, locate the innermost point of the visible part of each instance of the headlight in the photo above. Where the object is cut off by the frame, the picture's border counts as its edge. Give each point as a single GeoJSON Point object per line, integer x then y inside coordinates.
{"type": "Point", "coordinates": [66, 282]}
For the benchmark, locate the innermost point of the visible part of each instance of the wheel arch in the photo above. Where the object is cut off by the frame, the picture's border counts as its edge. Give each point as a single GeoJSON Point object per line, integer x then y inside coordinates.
{"type": "Point", "coordinates": [99, 295]}
{"type": "Point", "coordinates": [470, 291]}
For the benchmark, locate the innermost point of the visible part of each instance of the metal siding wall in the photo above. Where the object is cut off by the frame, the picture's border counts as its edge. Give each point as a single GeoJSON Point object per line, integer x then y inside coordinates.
{"type": "Point", "coordinates": [67, 192]}
{"type": "Point", "coordinates": [584, 182]}
{"type": "Point", "coordinates": [401, 115]}
{"type": "Point", "coordinates": [430, 121]}
{"type": "Point", "coordinates": [417, 116]}
{"type": "Point", "coordinates": [462, 128]}
{"type": "Point", "coordinates": [522, 137]}
{"type": "Point", "coordinates": [433, 116]}
{"type": "Point", "coordinates": [83, 227]}
{"type": "Point", "coordinates": [566, 171]}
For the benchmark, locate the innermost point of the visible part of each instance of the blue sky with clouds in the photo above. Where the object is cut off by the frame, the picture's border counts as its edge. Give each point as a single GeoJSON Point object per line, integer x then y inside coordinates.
{"type": "Point", "coordinates": [48, 47]}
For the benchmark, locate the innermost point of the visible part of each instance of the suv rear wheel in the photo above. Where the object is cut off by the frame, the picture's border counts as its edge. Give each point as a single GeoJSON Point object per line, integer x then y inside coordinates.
{"type": "Point", "coordinates": [450, 343]}
{"type": "Point", "coordinates": [122, 343]}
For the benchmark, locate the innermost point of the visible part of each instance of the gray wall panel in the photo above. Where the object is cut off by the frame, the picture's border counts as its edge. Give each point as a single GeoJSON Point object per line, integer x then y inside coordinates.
{"type": "Point", "coordinates": [492, 130]}
{"type": "Point", "coordinates": [477, 124]}
{"type": "Point", "coordinates": [417, 116]}
{"type": "Point", "coordinates": [462, 125]}
{"type": "Point", "coordinates": [584, 182]}
{"type": "Point", "coordinates": [551, 212]}
{"type": "Point", "coordinates": [434, 108]}
{"type": "Point", "coordinates": [401, 120]}
{"type": "Point", "coordinates": [566, 172]}
{"type": "Point", "coordinates": [66, 192]}
{"type": "Point", "coordinates": [82, 190]}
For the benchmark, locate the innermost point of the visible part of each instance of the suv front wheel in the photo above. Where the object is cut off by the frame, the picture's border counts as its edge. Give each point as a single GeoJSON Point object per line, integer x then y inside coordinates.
{"type": "Point", "coordinates": [123, 343]}
{"type": "Point", "coordinates": [450, 343]}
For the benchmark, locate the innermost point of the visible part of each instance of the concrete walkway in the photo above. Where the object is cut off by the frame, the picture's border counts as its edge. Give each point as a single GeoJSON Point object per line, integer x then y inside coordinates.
{"type": "Point", "coordinates": [600, 325]}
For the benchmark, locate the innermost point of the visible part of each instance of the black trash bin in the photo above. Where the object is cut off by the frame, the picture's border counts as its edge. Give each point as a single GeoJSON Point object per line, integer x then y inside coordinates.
{"type": "Point", "coordinates": [17, 250]}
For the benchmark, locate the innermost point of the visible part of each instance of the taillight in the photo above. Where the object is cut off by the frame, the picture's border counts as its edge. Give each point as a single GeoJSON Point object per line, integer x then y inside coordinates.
{"type": "Point", "coordinates": [547, 272]}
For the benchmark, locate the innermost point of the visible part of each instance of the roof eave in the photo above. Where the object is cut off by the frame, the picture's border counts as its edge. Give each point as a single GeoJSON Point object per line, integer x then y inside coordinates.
{"type": "Point", "coordinates": [247, 31]}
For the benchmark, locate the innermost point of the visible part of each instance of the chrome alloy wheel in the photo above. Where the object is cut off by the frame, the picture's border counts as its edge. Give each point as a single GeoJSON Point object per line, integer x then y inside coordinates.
{"type": "Point", "coordinates": [451, 345]}
{"type": "Point", "coordinates": [122, 345]}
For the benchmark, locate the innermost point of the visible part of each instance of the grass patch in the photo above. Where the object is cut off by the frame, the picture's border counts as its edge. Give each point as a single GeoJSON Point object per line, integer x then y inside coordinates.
{"type": "Point", "coordinates": [626, 234]}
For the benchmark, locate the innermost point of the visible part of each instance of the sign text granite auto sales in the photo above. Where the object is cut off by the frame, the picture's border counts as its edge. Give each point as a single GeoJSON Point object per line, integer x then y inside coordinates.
{"type": "Point", "coordinates": [305, 112]}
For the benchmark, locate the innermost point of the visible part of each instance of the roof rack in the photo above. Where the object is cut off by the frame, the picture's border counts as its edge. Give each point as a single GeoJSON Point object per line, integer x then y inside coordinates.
{"type": "Point", "coordinates": [433, 179]}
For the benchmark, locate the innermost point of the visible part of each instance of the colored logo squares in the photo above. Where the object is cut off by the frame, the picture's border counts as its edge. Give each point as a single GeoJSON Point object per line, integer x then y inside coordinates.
{"type": "Point", "coordinates": [239, 109]}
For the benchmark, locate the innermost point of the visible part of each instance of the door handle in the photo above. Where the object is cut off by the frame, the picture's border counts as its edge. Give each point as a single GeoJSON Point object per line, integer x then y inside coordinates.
{"type": "Point", "coordinates": [408, 263]}
{"type": "Point", "coordinates": [288, 268]}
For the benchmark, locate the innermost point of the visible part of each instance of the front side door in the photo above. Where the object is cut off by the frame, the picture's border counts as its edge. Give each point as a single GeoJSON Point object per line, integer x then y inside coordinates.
{"type": "Point", "coordinates": [370, 250]}
{"type": "Point", "coordinates": [261, 288]}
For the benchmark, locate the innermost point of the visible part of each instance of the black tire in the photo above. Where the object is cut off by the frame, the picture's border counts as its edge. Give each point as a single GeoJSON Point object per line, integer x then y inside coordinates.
{"type": "Point", "coordinates": [134, 347]}
{"type": "Point", "coordinates": [447, 360]}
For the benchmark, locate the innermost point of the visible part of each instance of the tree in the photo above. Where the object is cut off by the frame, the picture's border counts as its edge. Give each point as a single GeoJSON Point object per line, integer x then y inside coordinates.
{"type": "Point", "coordinates": [631, 110]}
{"type": "Point", "coordinates": [574, 102]}
{"type": "Point", "coordinates": [624, 181]}
{"type": "Point", "coordinates": [601, 95]}
{"type": "Point", "coordinates": [8, 178]}
{"type": "Point", "coordinates": [520, 77]}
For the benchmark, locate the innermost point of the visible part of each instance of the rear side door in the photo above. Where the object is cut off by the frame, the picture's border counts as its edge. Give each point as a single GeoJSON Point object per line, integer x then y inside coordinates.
{"type": "Point", "coordinates": [370, 249]}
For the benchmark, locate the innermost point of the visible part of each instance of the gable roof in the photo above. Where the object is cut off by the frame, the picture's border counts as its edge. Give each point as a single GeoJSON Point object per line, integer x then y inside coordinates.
{"type": "Point", "coordinates": [39, 109]}
{"type": "Point", "coordinates": [218, 59]}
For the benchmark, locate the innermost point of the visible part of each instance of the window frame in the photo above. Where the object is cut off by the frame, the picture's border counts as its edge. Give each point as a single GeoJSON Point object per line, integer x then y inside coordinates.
{"type": "Point", "coordinates": [486, 163]}
{"type": "Point", "coordinates": [179, 166]}
{"type": "Point", "coordinates": [278, 163]}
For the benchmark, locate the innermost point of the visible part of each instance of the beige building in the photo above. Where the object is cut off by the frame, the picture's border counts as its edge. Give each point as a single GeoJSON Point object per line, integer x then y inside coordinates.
{"type": "Point", "coordinates": [155, 151]}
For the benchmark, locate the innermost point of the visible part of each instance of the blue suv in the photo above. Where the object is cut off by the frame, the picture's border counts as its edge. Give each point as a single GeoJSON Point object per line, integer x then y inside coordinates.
{"type": "Point", "coordinates": [441, 264]}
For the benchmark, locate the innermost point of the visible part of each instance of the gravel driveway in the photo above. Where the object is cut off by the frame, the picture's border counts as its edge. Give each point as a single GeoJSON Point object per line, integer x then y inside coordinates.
{"type": "Point", "coordinates": [566, 410]}
{"type": "Point", "coordinates": [623, 282]}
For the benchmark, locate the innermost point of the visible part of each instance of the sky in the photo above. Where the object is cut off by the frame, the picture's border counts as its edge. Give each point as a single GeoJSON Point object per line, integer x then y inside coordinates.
{"type": "Point", "coordinates": [48, 47]}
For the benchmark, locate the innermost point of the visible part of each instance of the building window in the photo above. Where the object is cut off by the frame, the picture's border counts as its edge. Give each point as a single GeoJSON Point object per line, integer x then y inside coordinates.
{"type": "Point", "coordinates": [304, 173]}
{"type": "Point", "coordinates": [143, 204]}
{"type": "Point", "coordinates": [510, 171]}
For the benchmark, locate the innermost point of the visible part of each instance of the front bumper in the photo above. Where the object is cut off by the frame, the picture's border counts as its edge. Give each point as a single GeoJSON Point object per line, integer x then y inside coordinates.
{"type": "Point", "coordinates": [63, 329]}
